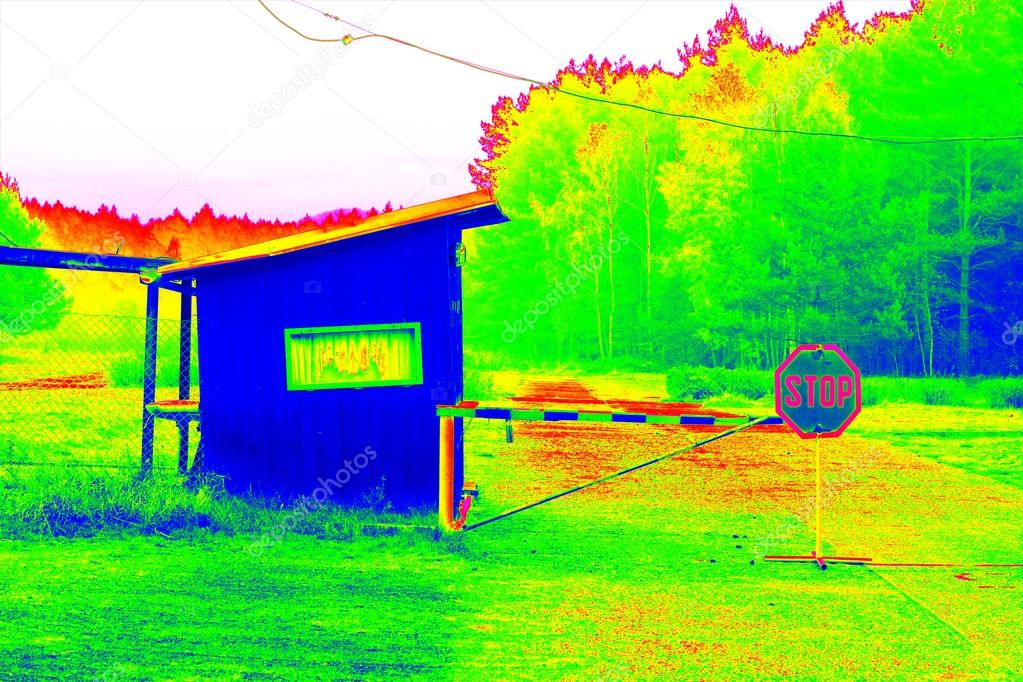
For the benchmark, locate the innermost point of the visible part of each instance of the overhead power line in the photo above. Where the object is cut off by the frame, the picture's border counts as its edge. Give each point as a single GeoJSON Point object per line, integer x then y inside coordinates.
{"type": "Point", "coordinates": [348, 39]}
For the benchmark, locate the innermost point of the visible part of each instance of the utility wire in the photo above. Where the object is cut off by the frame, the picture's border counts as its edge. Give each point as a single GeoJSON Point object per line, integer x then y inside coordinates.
{"type": "Point", "coordinates": [348, 39]}
{"type": "Point", "coordinates": [292, 28]}
{"type": "Point", "coordinates": [331, 16]}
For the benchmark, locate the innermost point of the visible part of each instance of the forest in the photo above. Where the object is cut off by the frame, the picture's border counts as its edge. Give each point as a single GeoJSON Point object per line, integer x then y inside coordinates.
{"type": "Point", "coordinates": [857, 189]}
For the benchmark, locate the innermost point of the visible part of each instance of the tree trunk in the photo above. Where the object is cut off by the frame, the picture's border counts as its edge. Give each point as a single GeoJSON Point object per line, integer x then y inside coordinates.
{"type": "Point", "coordinates": [964, 315]}
{"type": "Point", "coordinates": [927, 360]}
{"type": "Point", "coordinates": [646, 215]}
{"type": "Point", "coordinates": [928, 319]}
{"type": "Point", "coordinates": [611, 278]}
{"type": "Point", "coordinates": [596, 305]}
{"type": "Point", "coordinates": [920, 343]}
{"type": "Point", "coordinates": [965, 245]}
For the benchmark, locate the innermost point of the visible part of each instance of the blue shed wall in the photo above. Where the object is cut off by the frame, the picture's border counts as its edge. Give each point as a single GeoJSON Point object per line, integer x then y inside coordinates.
{"type": "Point", "coordinates": [269, 440]}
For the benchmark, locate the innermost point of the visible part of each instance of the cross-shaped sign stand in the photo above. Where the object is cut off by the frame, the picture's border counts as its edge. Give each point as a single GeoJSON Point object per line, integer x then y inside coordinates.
{"type": "Point", "coordinates": [817, 393]}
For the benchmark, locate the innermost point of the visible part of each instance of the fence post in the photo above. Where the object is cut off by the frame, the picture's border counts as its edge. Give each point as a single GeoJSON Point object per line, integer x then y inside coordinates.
{"type": "Point", "coordinates": [185, 371]}
{"type": "Point", "coordinates": [446, 492]}
{"type": "Point", "coordinates": [149, 378]}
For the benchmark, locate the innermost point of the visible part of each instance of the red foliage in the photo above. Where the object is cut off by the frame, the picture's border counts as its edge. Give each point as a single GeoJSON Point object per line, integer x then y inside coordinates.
{"type": "Point", "coordinates": [175, 236]}
{"type": "Point", "coordinates": [7, 182]}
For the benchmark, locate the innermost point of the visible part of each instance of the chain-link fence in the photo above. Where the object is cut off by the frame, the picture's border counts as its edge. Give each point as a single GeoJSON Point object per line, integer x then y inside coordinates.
{"type": "Point", "coordinates": [71, 392]}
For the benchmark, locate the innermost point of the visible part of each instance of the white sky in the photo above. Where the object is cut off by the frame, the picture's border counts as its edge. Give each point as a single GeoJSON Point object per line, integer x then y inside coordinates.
{"type": "Point", "coordinates": [150, 105]}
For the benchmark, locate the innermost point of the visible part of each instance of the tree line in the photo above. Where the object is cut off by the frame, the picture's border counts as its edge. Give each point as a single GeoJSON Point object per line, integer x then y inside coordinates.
{"type": "Point", "coordinates": [743, 243]}
{"type": "Point", "coordinates": [26, 222]}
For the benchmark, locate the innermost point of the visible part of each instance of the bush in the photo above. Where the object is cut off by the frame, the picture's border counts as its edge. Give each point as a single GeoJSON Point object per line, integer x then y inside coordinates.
{"type": "Point", "coordinates": [125, 370]}
{"type": "Point", "coordinates": [752, 384]}
{"type": "Point", "coordinates": [65, 502]}
{"type": "Point", "coordinates": [1007, 393]}
{"type": "Point", "coordinates": [700, 383]}
{"type": "Point", "coordinates": [478, 384]}
{"type": "Point", "coordinates": [880, 390]}
{"type": "Point", "coordinates": [938, 394]}
{"type": "Point", "coordinates": [622, 363]}
{"type": "Point", "coordinates": [694, 383]}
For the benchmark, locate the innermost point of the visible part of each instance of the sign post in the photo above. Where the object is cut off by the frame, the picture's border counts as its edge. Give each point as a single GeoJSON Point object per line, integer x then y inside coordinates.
{"type": "Point", "coordinates": [817, 393]}
{"type": "Point", "coordinates": [817, 455]}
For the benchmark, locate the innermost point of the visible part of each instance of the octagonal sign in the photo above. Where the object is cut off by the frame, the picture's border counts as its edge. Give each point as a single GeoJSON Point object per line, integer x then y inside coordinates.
{"type": "Point", "coordinates": [817, 391]}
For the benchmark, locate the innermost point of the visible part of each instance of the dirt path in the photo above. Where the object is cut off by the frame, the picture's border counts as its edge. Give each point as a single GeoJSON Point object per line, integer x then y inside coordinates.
{"type": "Point", "coordinates": [725, 505]}
{"type": "Point", "coordinates": [574, 394]}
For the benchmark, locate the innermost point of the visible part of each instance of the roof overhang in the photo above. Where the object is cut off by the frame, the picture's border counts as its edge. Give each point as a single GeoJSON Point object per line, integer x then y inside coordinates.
{"type": "Point", "coordinates": [475, 209]}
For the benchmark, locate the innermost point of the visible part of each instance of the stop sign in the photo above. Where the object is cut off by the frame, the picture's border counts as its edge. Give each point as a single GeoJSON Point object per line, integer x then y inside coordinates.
{"type": "Point", "coordinates": [817, 390]}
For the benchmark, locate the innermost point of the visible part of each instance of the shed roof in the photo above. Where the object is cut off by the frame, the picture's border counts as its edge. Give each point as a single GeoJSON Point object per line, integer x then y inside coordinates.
{"type": "Point", "coordinates": [476, 209]}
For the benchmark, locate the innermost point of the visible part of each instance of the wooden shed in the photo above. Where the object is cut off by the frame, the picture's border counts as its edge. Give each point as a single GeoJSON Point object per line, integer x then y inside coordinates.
{"type": "Point", "coordinates": [323, 355]}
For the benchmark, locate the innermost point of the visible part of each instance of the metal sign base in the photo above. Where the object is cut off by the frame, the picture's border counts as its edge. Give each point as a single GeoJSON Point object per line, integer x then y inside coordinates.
{"type": "Point", "coordinates": [821, 561]}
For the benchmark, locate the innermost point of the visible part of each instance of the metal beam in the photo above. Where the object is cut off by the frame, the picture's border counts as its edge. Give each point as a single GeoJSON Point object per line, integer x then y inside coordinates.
{"type": "Point", "coordinates": [72, 260]}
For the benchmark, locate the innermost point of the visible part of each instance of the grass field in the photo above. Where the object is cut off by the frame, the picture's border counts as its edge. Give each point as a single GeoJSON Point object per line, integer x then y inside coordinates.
{"type": "Point", "coordinates": [657, 575]}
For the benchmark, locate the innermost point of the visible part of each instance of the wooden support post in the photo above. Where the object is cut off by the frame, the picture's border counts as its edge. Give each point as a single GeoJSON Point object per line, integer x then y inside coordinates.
{"type": "Point", "coordinates": [185, 371]}
{"type": "Point", "coordinates": [446, 490]}
{"type": "Point", "coordinates": [149, 378]}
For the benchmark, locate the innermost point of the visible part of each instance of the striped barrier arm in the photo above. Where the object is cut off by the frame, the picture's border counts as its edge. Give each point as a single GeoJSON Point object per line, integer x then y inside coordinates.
{"type": "Point", "coordinates": [471, 410]}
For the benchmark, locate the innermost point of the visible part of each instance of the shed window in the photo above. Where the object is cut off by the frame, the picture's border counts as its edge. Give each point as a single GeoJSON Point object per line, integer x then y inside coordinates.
{"type": "Point", "coordinates": [353, 357]}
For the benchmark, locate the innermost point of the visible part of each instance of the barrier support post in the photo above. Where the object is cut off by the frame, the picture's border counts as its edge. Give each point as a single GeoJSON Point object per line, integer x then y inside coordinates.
{"type": "Point", "coordinates": [446, 491]}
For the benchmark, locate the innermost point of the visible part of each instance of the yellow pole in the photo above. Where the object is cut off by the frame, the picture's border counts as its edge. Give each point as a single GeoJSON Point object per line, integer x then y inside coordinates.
{"type": "Point", "coordinates": [446, 491]}
{"type": "Point", "coordinates": [817, 452]}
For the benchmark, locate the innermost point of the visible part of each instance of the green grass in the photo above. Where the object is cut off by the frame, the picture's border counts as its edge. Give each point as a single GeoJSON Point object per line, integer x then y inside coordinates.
{"type": "Point", "coordinates": [977, 440]}
{"type": "Point", "coordinates": [658, 575]}
{"type": "Point", "coordinates": [150, 608]}
{"type": "Point", "coordinates": [992, 456]}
